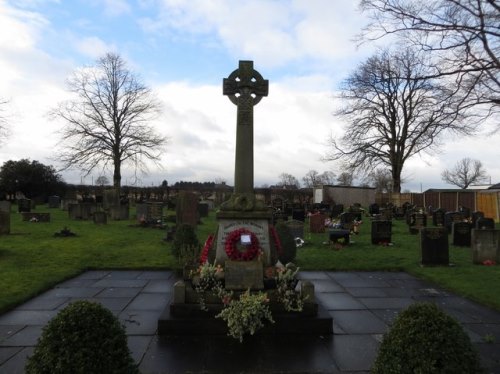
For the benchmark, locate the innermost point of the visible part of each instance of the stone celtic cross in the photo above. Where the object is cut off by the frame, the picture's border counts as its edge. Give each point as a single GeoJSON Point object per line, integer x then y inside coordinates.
{"type": "Point", "coordinates": [245, 87]}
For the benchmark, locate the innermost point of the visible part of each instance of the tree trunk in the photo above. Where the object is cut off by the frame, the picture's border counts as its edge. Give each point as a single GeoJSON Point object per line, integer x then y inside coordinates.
{"type": "Point", "coordinates": [117, 179]}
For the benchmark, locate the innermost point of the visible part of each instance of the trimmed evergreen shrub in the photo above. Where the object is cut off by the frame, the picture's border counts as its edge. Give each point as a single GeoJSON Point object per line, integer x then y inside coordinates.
{"type": "Point", "coordinates": [82, 338]}
{"type": "Point", "coordinates": [288, 245]}
{"type": "Point", "coordinates": [425, 340]}
{"type": "Point", "coordinates": [186, 246]}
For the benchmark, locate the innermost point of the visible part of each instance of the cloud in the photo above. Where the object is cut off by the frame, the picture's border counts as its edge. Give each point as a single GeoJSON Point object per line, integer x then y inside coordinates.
{"type": "Point", "coordinates": [93, 47]}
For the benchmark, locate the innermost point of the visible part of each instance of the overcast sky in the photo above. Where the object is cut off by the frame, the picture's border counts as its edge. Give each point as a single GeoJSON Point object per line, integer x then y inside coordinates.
{"type": "Point", "coordinates": [183, 49]}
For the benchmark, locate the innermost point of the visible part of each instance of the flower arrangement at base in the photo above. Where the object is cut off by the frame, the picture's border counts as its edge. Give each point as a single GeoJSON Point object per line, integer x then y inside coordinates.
{"type": "Point", "coordinates": [247, 314]}
{"type": "Point", "coordinates": [286, 281]}
{"type": "Point", "coordinates": [208, 277]}
{"type": "Point", "coordinates": [250, 251]}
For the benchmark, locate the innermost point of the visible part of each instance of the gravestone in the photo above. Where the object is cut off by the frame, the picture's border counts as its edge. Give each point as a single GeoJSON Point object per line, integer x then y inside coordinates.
{"type": "Point", "coordinates": [386, 214]}
{"type": "Point", "coordinates": [461, 234]}
{"type": "Point", "coordinates": [119, 212]}
{"type": "Point", "coordinates": [299, 215]}
{"type": "Point", "coordinates": [373, 209]}
{"type": "Point", "coordinates": [485, 245]}
{"type": "Point", "coordinates": [485, 223]}
{"type": "Point", "coordinates": [54, 202]}
{"type": "Point", "coordinates": [100, 218]}
{"type": "Point", "coordinates": [243, 275]}
{"type": "Point", "coordinates": [417, 222]}
{"type": "Point", "coordinates": [4, 217]}
{"type": "Point", "coordinates": [357, 211]}
{"type": "Point", "coordinates": [438, 217]}
{"type": "Point", "coordinates": [347, 221]}
{"type": "Point", "coordinates": [203, 210]}
{"type": "Point", "coordinates": [475, 216]}
{"type": "Point", "coordinates": [317, 223]}
{"type": "Point", "coordinates": [24, 205]}
{"type": "Point", "coordinates": [434, 246]}
{"type": "Point", "coordinates": [381, 232]}
{"type": "Point", "coordinates": [187, 209]}
{"type": "Point", "coordinates": [339, 236]}
{"type": "Point", "coordinates": [296, 228]}
{"type": "Point", "coordinates": [141, 212]}
{"type": "Point", "coordinates": [450, 218]}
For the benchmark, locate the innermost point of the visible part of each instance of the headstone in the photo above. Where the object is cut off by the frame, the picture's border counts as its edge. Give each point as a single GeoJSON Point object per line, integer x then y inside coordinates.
{"type": "Point", "coordinates": [141, 212]}
{"type": "Point", "coordinates": [434, 246]}
{"type": "Point", "coordinates": [399, 212]}
{"type": "Point", "coordinates": [417, 222]}
{"type": "Point", "coordinates": [373, 209]}
{"type": "Point", "coordinates": [4, 222]}
{"type": "Point", "coordinates": [5, 206]}
{"type": "Point", "coordinates": [347, 220]}
{"type": "Point", "coordinates": [386, 214]}
{"type": "Point", "coordinates": [335, 235]}
{"type": "Point", "coordinates": [485, 245]}
{"type": "Point", "coordinates": [155, 212]}
{"type": "Point", "coordinates": [485, 223]}
{"type": "Point", "coordinates": [461, 234]}
{"type": "Point", "coordinates": [187, 208]}
{"type": "Point", "coordinates": [465, 212]}
{"type": "Point", "coordinates": [357, 211]}
{"type": "Point", "coordinates": [337, 210]}
{"type": "Point", "coordinates": [450, 218]}
{"type": "Point", "coordinates": [243, 275]}
{"type": "Point", "coordinates": [438, 217]}
{"type": "Point", "coordinates": [54, 202]}
{"type": "Point", "coordinates": [381, 232]}
{"type": "Point", "coordinates": [475, 216]}
{"type": "Point", "coordinates": [203, 210]}
{"type": "Point", "coordinates": [100, 218]}
{"type": "Point", "coordinates": [119, 212]}
{"type": "Point", "coordinates": [299, 215]}
{"type": "Point", "coordinates": [24, 205]}
{"type": "Point", "coordinates": [296, 228]}
{"type": "Point", "coordinates": [317, 223]}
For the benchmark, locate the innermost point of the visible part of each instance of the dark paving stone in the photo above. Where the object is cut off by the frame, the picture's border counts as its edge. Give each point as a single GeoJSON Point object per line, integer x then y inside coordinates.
{"type": "Point", "coordinates": [367, 291]}
{"type": "Point", "coordinates": [409, 283]}
{"type": "Point", "coordinates": [72, 292]}
{"type": "Point", "coordinates": [159, 286]}
{"type": "Point", "coordinates": [343, 275]}
{"type": "Point", "coordinates": [124, 274]}
{"type": "Point", "coordinates": [23, 338]}
{"type": "Point", "coordinates": [359, 322]}
{"type": "Point", "coordinates": [474, 310]}
{"type": "Point", "coordinates": [313, 275]}
{"type": "Point", "coordinates": [490, 356]}
{"type": "Point", "coordinates": [110, 283]}
{"type": "Point", "coordinates": [114, 304]}
{"type": "Point", "coordinates": [385, 275]}
{"type": "Point", "coordinates": [323, 285]}
{"type": "Point", "coordinates": [8, 352]}
{"type": "Point", "coordinates": [93, 274]}
{"type": "Point", "coordinates": [386, 302]}
{"type": "Point", "coordinates": [6, 331]}
{"type": "Point", "coordinates": [354, 352]}
{"type": "Point", "coordinates": [338, 301]}
{"type": "Point", "coordinates": [15, 365]}
{"type": "Point", "coordinates": [485, 330]}
{"type": "Point", "coordinates": [150, 301]}
{"type": "Point", "coordinates": [150, 275]}
{"type": "Point", "coordinates": [140, 322]}
{"type": "Point", "coordinates": [386, 315]}
{"type": "Point", "coordinates": [27, 317]}
{"type": "Point", "coordinates": [119, 292]}
{"type": "Point", "coordinates": [138, 346]}
{"type": "Point", "coordinates": [43, 303]}
{"type": "Point", "coordinates": [362, 282]}
{"type": "Point", "coordinates": [76, 283]}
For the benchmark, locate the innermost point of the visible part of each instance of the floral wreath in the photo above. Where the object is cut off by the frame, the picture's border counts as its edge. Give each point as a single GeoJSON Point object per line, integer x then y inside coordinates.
{"type": "Point", "coordinates": [206, 249]}
{"type": "Point", "coordinates": [233, 253]}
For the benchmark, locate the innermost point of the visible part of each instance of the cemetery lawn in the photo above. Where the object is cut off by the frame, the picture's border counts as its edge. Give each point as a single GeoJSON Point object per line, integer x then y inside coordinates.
{"type": "Point", "coordinates": [32, 260]}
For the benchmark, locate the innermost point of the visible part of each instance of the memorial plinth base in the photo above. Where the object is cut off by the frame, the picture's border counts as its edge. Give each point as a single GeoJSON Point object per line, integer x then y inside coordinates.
{"type": "Point", "coordinates": [186, 318]}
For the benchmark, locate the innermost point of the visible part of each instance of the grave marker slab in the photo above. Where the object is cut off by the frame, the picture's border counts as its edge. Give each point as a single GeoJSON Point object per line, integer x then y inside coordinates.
{"type": "Point", "coordinates": [4, 222]}
{"type": "Point", "coordinates": [438, 217]}
{"type": "Point", "coordinates": [54, 202]}
{"type": "Point", "coordinates": [434, 246]}
{"type": "Point", "coordinates": [381, 232]}
{"type": "Point", "coordinates": [5, 206]}
{"type": "Point", "coordinates": [24, 205]}
{"type": "Point", "coordinates": [296, 228]}
{"type": "Point", "coordinates": [317, 223]}
{"type": "Point", "coordinates": [475, 216]}
{"type": "Point", "coordinates": [461, 234]}
{"type": "Point", "coordinates": [187, 209]}
{"type": "Point", "coordinates": [485, 223]}
{"type": "Point", "coordinates": [417, 222]}
{"type": "Point", "coordinates": [485, 245]}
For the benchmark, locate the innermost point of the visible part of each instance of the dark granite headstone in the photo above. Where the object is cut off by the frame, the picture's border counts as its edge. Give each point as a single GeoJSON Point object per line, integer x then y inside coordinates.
{"type": "Point", "coordinates": [434, 246]}
{"type": "Point", "coordinates": [373, 209]}
{"type": "Point", "coordinates": [417, 222]}
{"type": "Point", "coordinates": [347, 220]}
{"type": "Point", "coordinates": [299, 215]}
{"type": "Point", "coordinates": [335, 235]}
{"type": "Point", "coordinates": [24, 205]}
{"type": "Point", "coordinates": [296, 228]}
{"type": "Point", "coordinates": [450, 218]}
{"type": "Point", "coordinates": [485, 223]}
{"type": "Point", "coordinates": [475, 216]}
{"type": "Point", "coordinates": [381, 232]}
{"type": "Point", "coordinates": [317, 223]}
{"type": "Point", "coordinates": [4, 222]}
{"type": "Point", "coordinates": [54, 202]}
{"type": "Point", "coordinates": [100, 218]}
{"type": "Point", "coordinates": [187, 209]}
{"type": "Point", "coordinates": [438, 217]}
{"type": "Point", "coordinates": [485, 245]}
{"type": "Point", "coordinates": [203, 210]}
{"type": "Point", "coordinates": [461, 234]}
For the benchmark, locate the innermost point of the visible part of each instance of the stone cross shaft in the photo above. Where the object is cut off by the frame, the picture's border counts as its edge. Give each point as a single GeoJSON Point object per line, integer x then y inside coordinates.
{"type": "Point", "coordinates": [245, 87]}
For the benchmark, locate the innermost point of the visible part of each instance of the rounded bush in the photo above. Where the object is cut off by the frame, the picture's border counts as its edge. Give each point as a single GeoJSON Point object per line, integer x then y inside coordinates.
{"type": "Point", "coordinates": [82, 338]}
{"type": "Point", "coordinates": [186, 246]}
{"type": "Point", "coordinates": [288, 245]}
{"type": "Point", "coordinates": [424, 339]}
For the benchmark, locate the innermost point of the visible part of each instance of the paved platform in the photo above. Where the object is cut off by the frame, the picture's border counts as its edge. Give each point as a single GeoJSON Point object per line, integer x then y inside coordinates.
{"type": "Point", "coordinates": [363, 306]}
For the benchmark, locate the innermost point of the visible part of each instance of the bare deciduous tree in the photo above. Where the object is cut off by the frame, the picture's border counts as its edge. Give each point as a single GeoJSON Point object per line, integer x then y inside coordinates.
{"type": "Point", "coordinates": [465, 173]}
{"type": "Point", "coordinates": [327, 177]}
{"type": "Point", "coordinates": [461, 36]}
{"type": "Point", "coordinates": [345, 179]}
{"type": "Point", "coordinates": [381, 179]}
{"type": "Point", "coordinates": [311, 179]}
{"type": "Point", "coordinates": [288, 180]}
{"type": "Point", "coordinates": [393, 113]}
{"type": "Point", "coordinates": [107, 119]}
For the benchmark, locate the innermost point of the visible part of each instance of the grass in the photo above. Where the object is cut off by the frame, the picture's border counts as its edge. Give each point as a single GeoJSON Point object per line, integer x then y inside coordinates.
{"type": "Point", "coordinates": [33, 260]}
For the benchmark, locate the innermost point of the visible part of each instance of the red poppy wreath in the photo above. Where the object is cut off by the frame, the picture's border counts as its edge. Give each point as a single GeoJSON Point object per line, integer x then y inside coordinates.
{"type": "Point", "coordinates": [233, 238]}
